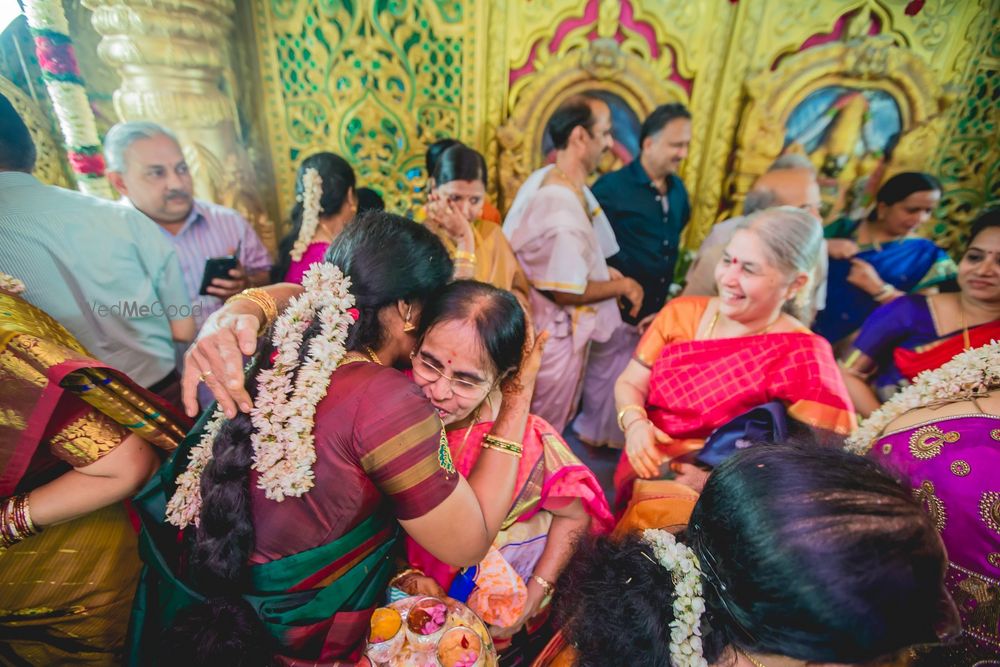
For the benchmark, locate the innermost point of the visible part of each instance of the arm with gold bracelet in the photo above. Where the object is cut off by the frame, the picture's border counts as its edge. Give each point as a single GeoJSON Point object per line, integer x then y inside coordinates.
{"type": "Point", "coordinates": [216, 356]}
{"type": "Point", "coordinates": [465, 264]}
{"type": "Point", "coordinates": [641, 435]}
{"type": "Point", "coordinates": [857, 369]}
{"type": "Point", "coordinates": [86, 488]}
{"type": "Point", "coordinates": [493, 476]}
{"type": "Point", "coordinates": [267, 303]}
{"type": "Point", "coordinates": [631, 407]}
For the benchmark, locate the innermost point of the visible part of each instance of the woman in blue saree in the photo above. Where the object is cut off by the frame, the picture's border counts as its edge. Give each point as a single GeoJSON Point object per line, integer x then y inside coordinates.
{"type": "Point", "coordinates": [875, 260]}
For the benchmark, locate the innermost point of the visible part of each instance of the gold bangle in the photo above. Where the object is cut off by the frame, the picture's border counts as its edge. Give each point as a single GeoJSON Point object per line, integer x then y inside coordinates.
{"type": "Point", "coordinates": [621, 415]}
{"type": "Point", "coordinates": [852, 366]}
{"type": "Point", "coordinates": [885, 293]}
{"type": "Point", "coordinates": [461, 254]}
{"type": "Point", "coordinates": [547, 586]}
{"type": "Point", "coordinates": [503, 450]}
{"type": "Point", "coordinates": [501, 445]}
{"type": "Point", "coordinates": [266, 303]}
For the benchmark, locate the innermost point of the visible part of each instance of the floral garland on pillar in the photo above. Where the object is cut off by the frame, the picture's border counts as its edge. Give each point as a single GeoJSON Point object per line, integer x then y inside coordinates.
{"type": "Point", "coordinates": [61, 72]}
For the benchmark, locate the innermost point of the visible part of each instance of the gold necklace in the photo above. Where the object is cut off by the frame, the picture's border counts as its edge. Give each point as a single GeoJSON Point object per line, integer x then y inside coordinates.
{"type": "Point", "coordinates": [715, 320]}
{"type": "Point", "coordinates": [576, 189]}
{"type": "Point", "coordinates": [367, 356]}
{"type": "Point", "coordinates": [966, 341]}
{"type": "Point", "coordinates": [373, 356]}
{"type": "Point", "coordinates": [753, 660]}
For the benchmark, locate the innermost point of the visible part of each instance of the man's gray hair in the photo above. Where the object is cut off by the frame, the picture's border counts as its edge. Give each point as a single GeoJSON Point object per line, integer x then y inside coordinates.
{"type": "Point", "coordinates": [123, 135]}
{"type": "Point", "coordinates": [758, 199]}
{"type": "Point", "coordinates": [793, 161]}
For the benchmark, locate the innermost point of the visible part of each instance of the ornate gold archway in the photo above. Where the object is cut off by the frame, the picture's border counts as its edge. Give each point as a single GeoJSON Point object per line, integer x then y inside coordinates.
{"type": "Point", "coordinates": [874, 63]}
{"type": "Point", "coordinates": [601, 67]}
{"type": "Point", "coordinates": [49, 161]}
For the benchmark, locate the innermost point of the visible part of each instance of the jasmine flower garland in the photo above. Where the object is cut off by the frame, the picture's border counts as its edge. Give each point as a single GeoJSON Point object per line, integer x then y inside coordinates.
{"type": "Point", "coordinates": [685, 630]}
{"type": "Point", "coordinates": [283, 416]}
{"type": "Point", "coordinates": [312, 191]}
{"type": "Point", "coordinates": [969, 374]}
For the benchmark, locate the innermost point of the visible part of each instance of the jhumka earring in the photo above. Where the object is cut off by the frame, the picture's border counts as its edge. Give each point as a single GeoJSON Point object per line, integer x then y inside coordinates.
{"type": "Point", "coordinates": [408, 327]}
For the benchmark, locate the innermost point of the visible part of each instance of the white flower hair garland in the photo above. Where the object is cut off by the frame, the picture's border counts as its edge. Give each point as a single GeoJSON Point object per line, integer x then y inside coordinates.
{"type": "Point", "coordinates": [11, 284]}
{"type": "Point", "coordinates": [283, 415]}
{"type": "Point", "coordinates": [312, 191]}
{"type": "Point", "coordinates": [969, 374]}
{"type": "Point", "coordinates": [689, 605]}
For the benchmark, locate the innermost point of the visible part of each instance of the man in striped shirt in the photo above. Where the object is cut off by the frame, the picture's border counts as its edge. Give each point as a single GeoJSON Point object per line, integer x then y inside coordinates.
{"type": "Point", "coordinates": [146, 165]}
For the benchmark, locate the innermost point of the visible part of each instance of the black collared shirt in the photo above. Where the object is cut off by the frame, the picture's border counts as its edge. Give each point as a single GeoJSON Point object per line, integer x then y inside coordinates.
{"type": "Point", "coordinates": [649, 238]}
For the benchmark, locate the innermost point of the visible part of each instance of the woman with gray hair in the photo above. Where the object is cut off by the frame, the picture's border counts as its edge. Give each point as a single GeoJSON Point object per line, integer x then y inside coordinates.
{"type": "Point", "coordinates": [707, 360]}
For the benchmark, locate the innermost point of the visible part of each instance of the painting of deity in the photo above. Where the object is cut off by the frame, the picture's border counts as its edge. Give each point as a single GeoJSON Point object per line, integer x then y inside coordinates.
{"type": "Point", "coordinates": [848, 134]}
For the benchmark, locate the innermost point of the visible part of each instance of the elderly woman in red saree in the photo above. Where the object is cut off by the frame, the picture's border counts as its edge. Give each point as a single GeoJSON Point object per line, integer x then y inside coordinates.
{"type": "Point", "coordinates": [74, 442]}
{"type": "Point", "coordinates": [915, 333]}
{"type": "Point", "coordinates": [706, 360]}
{"type": "Point", "coordinates": [471, 338]}
{"type": "Point", "coordinates": [291, 513]}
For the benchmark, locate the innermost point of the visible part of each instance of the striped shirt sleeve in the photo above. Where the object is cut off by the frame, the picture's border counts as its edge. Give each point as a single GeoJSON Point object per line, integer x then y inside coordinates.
{"type": "Point", "coordinates": [253, 254]}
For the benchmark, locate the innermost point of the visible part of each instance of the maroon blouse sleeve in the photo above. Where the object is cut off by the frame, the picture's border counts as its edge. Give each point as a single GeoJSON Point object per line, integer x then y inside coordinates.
{"type": "Point", "coordinates": [401, 445]}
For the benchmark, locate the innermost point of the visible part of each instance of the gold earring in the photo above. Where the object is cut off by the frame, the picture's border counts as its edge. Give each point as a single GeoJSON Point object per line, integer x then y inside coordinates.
{"type": "Point", "coordinates": [408, 327]}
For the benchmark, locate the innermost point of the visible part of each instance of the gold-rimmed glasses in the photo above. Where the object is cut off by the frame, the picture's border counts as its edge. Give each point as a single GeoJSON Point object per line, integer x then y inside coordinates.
{"type": "Point", "coordinates": [429, 371]}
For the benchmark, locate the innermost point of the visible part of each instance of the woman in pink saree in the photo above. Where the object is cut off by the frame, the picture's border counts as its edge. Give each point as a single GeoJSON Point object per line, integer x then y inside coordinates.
{"type": "Point", "coordinates": [470, 339]}
{"type": "Point", "coordinates": [325, 202]}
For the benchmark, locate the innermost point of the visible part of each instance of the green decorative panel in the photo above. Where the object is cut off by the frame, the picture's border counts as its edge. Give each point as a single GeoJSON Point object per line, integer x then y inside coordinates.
{"type": "Point", "coordinates": [375, 81]}
{"type": "Point", "coordinates": [969, 164]}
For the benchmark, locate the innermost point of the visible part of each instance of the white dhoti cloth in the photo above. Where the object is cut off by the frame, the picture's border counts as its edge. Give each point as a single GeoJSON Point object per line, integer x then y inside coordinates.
{"type": "Point", "coordinates": [562, 250]}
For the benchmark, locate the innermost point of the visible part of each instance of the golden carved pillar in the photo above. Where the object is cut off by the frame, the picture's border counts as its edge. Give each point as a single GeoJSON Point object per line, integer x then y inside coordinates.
{"type": "Point", "coordinates": [174, 65]}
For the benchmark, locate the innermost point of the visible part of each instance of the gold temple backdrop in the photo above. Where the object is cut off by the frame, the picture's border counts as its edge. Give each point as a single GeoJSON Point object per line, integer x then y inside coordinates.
{"type": "Point", "coordinates": [377, 80]}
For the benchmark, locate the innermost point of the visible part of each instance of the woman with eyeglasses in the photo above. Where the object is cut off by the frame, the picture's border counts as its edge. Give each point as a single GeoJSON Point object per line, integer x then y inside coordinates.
{"type": "Point", "coordinates": [270, 569]}
{"type": "Point", "coordinates": [469, 340]}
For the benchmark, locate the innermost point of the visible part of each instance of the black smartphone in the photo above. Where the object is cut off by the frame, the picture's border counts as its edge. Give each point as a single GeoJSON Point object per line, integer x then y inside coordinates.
{"type": "Point", "coordinates": [217, 267]}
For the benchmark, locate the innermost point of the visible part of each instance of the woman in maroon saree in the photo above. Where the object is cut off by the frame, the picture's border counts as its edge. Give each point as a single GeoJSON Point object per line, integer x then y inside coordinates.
{"type": "Point", "coordinates": [298, 579]}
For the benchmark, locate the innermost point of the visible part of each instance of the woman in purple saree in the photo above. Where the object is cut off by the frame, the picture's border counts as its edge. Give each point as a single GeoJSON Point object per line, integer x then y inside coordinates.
{"type": "Point", "coordinates": [948, 449]}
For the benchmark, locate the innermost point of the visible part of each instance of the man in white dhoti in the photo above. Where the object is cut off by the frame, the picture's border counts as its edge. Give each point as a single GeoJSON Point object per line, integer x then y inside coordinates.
{"type": "Point", "coordinates": [561, 238]}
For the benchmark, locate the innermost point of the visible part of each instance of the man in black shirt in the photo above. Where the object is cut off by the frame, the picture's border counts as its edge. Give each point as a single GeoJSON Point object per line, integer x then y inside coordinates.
{"type": "Point", "coordinates": [648, 205]}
